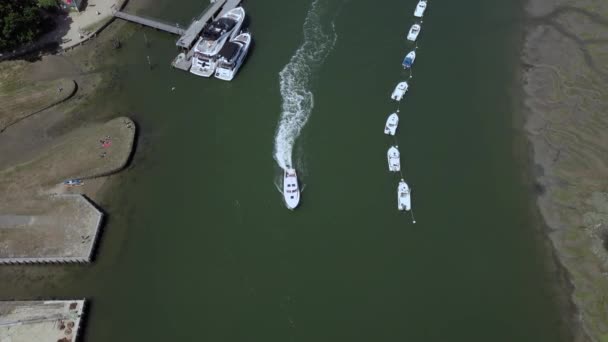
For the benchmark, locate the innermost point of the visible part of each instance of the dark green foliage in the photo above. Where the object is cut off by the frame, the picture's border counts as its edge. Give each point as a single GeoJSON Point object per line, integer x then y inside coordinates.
{"type": "Point", "coordinates": [48, 3]}
{"type": "Point", "coordinates": [20, 22]}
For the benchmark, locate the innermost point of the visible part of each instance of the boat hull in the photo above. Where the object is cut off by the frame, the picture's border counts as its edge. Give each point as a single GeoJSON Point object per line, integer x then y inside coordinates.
{"type": "Point", "coordinates": [413, 33]}
{"type": "Point", "coordinates": [229, 74]}
{"type": "Point", "coordinates": [399, 91]}
{"type": "Point", "coordinates": [291, 190]}
{"type": "Point", "coordinates": [393, 157]}
{"type": "Point", "coordinates": [391, 124]}
{"type": "Point", "coordinates": [203, 71]}
{"type": "Point", "coordinates": [420, 8]}
{"type": "Point", "coordinates": [403, 197]}
{"type": "Point", "coordinates": [409, 59]}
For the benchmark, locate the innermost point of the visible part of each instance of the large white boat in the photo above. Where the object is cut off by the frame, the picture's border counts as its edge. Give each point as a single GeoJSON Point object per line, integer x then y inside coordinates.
{"type": "Point", "coordinates": [393, 157]}
{"type": "Point", "coordinates": [409, 59]}
{"type": "Point", "coordinates": [399, 91]}
{"type": "Point", "coordinates": [213, 38]}
{"type": "Point", "coordinates": [420, 8]}
{"type": "Point", "coordinates": [231, 57]}
{"type": "Point", "coordinates": [403, 196]}
{"type": "Point", "coordinates": [413, 32]}
{"type": "Point", "coordinates": [291, 191]}
{"type": "Point", "coordinates": [391, 124]}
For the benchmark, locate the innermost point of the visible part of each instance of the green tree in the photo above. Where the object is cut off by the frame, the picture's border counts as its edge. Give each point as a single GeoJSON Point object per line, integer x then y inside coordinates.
{"type": "Point", "coordinates": [19, 23]}
{"type": "Point", "coordinates": [48, 3]}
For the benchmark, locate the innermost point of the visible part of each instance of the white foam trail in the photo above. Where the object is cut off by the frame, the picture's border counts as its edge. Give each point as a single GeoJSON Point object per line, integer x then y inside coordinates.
{"type": "Point", "coordinates": [295, 77]}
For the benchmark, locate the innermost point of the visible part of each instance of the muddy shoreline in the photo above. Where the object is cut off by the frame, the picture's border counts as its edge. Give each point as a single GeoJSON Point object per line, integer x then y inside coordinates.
{"type": "Point", "coordinates": [563, 108]}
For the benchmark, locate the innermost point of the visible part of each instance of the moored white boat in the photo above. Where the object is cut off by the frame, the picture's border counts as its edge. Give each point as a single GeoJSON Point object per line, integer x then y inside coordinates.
{"type": "Point", "coordinates": [232, 56]}
{"type": "Point", "coordinates": [213, 38]}
{"type": "Point", "coordinates": [203, 65]}
{"type": "Point", "coordinates": [399, 91]}
{"type": "Point", "coordinates": [409, 59]}
{"type": "Point", "coordinates": [420, 8]}
{"type": "Point", "coordinates": [413, 32]}
{"type": "Point", "coordinates": [291, 191]}
{"type": "Point", "coordinates": [393, 156]}
{"type": "Point", "coordinates": [391, 124]}
{"type": "Point", "coordinates": [403, 196]}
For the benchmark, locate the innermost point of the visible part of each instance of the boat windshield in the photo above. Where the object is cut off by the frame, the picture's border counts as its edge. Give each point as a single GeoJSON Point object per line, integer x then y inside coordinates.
{"type": "Point", "coordinates": [224, 64]}
{"type": "Point", "coordinates": [218, 28]}
{"type": "Point", "coordinates": [203, 58]}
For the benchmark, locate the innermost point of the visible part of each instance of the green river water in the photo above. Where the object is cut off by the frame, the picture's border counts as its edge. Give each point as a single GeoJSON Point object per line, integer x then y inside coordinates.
{"type": "Point", "coordinates": [199, 246]}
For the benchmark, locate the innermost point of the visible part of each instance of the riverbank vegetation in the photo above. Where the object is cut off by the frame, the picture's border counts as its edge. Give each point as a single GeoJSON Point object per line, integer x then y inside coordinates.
{"type": "Point", "coordinates": [23, 21]}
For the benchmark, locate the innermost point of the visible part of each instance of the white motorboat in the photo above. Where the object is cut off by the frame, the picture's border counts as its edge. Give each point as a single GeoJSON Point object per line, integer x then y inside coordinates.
{"type": "Point", "coordinates": [232, 56]}
{"type": "Point", "coordinates": [203, 65]}
{"type": "Point", "coordinates": [409, 59]}
{"type": "Point", "coordinates": [391, 124]}
{"type": "Point", "coordinates": [213, 38]}
{"type": "Point", "coordinates": [291, 191]}
{"type": "Point", "coordinates": [414, 32]}
{"type": "Point", "coordinates": [399, 91]}
{"type": "Point", "coordinates": [420, 8]}
{"type": "Point", "coordinates": [393, 156]}
{"type": "Point", "coordinates": [403, 196]}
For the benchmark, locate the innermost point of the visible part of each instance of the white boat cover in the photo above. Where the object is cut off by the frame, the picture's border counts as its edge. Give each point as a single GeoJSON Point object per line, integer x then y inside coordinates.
{"type": "Point", "coordinates": [394, 160]}
{"type": "Point", "coordinates": [420, 8]}
{"type": "Point", "coordinates": [414, 32]}
{"type": "Point", "coordinates": [403, 196]}
{"type": "Point", "coordinates": [399, 91]}
{"type": "Point", "coordinates": [391, 124]}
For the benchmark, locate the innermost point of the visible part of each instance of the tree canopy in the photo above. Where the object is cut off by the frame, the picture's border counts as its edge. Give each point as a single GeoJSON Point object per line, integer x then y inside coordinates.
{"type": "Point", "coordinates": [20, 23]}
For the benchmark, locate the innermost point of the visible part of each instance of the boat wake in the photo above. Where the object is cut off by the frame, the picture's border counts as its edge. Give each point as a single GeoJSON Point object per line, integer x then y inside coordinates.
{"type": "Point", "coordinates": [295, 78]}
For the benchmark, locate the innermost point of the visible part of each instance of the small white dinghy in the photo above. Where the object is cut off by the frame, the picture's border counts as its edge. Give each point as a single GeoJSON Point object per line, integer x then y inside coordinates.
{"type": "Point", "coordinates": [291, 192]}
{"type": "Point", "coordinates": [420, 8]}
{"type": "Point", "coordinates": [412, 35]}
{"type": "Point", "coordinates": [403, 196]}
{"type": "Point", "coordinates": [394, 160]}
{"type": "Point", "coordinates": [399, 91]}
{"type": "Point", "coordinates": [409, 59]}
{"type": "Point", "coordinates": [391, 124]}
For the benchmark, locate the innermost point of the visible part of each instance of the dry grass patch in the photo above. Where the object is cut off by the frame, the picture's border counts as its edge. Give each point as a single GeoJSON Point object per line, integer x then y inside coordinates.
{"type": "Point", "coordinates": [20, 98]}
{"type": "Point", "coordinates": [93, 151]}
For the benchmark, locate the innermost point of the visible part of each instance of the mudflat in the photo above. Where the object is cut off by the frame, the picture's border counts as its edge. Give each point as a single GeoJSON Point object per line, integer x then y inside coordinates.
{"type": "Point", "coordinates": [566, 82]}
{"type": "Point", "coordinates": [46, 141]}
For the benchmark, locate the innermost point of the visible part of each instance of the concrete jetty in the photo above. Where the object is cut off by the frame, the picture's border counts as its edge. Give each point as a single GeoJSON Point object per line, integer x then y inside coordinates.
{"type": "Point", "coordinates": [57, 229]}
{"type": "Point", "coordinates": [196, 27]}
{"type": "Point", "coordinates": [41, 321]}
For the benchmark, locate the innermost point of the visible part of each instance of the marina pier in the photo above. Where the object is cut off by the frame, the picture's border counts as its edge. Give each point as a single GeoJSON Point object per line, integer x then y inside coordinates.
{"type": "Point", "coordinates": [188, 36]}
{"type": "Point", "coordinates": [175, 29]}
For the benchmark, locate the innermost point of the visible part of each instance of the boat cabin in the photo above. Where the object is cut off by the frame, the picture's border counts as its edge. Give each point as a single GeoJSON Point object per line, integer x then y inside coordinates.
{"type": "Point", "coordinates": [229, 55]}
{"type": "Point", "coordinates": [218, 28]}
